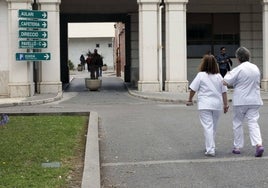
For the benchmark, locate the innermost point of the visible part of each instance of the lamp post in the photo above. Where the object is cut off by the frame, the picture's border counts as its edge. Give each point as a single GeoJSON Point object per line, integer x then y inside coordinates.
{"type": "Point", "coordinates": [34, 5]}
{"type": "Point", "coordinates": [160, 47]}
{"type": "Point", "coordinates": [35, 63]}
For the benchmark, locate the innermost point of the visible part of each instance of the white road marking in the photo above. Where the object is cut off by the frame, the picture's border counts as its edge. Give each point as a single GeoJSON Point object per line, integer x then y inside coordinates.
{"type": "Point", "coordinates": [207, 160]}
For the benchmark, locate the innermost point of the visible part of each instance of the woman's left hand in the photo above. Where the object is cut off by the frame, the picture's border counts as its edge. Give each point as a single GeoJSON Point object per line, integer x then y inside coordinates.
{"type": "Point", "coordinates": [225, 108]}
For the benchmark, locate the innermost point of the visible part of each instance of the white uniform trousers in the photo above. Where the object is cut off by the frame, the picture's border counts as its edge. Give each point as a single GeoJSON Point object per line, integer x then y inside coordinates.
{"type": "Point", "coordinates": [209, 120]}
{"type": "Point", "coordinates": [251, 113]}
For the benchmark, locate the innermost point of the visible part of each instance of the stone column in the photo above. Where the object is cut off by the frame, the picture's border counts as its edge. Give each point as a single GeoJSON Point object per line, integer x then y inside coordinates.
{"type": "Point", "coordinates": [50, 70]}
{"type": "Point", "coordinates": [148, 45]}
{"type": "Point", "coordinates": [264, 82]}
{"type": "Point", "coordinates": [4, 49]}
{"type": "Point", "coordinates": [176, 47]}
{"type": "Point", "coordinates": [20, 72]}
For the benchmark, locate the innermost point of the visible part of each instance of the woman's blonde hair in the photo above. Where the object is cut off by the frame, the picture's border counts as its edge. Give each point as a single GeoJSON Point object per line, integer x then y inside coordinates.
{"type": "Point", "coordinates": [209, 65]}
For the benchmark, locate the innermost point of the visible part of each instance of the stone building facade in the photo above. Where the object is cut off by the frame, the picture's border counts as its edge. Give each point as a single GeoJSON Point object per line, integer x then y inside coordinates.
{"type": "Point", "coordinates": [164, 40]}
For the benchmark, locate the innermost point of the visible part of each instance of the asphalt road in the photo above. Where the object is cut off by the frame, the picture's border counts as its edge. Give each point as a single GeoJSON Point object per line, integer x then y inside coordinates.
{"type": "Point", "coordinates": [150, 144]}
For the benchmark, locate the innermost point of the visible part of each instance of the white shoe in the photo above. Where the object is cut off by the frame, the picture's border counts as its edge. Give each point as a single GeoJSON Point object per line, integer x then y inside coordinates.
{"type": "Point", "coordinates": [210, 154]}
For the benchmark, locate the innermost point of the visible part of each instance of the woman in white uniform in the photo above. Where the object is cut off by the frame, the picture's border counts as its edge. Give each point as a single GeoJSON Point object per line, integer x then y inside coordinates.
{"type": "Point", "coordinates": [245, 79]}
{"type": "Point", "coordinates": [211, 99]}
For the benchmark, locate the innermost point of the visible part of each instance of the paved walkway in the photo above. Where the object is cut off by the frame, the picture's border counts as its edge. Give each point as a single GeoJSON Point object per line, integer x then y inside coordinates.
{"type": "Point", "coordinates": [148, 143]}
{"type": "Point", "coordinates": [157, 96]}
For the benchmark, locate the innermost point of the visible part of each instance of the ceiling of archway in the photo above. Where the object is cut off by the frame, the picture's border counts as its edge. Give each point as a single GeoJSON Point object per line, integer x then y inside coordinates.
{"type": "Point", "coordinates": [98, 6]}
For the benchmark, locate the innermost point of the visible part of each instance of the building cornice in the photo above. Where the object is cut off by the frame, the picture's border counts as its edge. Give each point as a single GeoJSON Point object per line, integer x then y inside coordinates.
{"type": "Point", "coordinates": [19, 1]}
{"type": "Point", "coordinates": [176, 1]}
{"type": "Point", "coordinates": [149, 1]}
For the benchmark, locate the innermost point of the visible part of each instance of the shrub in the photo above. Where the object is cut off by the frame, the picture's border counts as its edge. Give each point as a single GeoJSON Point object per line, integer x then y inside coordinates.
{"type": "Point", "coordinates": [70, 65]}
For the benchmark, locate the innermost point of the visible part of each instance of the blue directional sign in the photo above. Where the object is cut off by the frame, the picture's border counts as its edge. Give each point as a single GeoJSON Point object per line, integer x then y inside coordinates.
{"type": "Point", "coordinates": [33, 44]}
{"type": "Point", "coordinates": [33, 24]}
{"type": "Point", "coordinates": [33, 34]}
{"type": "Point", "coordinates": [35, 14]}
{"type": "Point", "coordinates": [33, 56]}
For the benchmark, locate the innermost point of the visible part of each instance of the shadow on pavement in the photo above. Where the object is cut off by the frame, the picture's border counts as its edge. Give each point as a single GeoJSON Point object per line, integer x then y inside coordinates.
{"type": "Point", "coordinates": [109, 83]}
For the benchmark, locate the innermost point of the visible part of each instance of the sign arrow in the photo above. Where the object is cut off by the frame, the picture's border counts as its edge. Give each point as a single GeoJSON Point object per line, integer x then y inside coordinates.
{"type": "Point", "coordinates": [44, 35]}
{"type": "Point", "coordinates": [46, 56]}
{"type": "Point", "coordinates": [44, 24]}
{"type": "Point", "coordinates": [44, 44]}
{"type": "Point", "coordinates": [44, 15]}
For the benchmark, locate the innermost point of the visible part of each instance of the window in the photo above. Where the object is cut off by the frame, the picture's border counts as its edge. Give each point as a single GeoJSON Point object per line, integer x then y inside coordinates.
{"type": "Point", "coordinates": [110, 45]}
{"type": "Point", "coordinates": [97, 45]}
{"type": "Point", "coordinates": [208, 32]}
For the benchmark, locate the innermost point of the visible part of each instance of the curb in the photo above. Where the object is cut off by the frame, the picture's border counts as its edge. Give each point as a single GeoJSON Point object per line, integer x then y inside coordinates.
{"type": "Point", "coordinates": [91, 173]}
{"type": "Point", "coordinates": [154, 98]}
{"type": "Point", "coordinates": [34, 102]}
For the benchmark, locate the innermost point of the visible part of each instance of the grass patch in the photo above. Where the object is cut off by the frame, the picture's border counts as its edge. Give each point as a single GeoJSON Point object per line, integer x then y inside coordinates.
{"type": "Point", "coordinates": [28, 141]}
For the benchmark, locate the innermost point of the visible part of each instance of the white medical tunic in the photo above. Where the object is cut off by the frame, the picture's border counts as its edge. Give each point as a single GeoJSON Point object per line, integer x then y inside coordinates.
{"type": "Point", "coordinates": [209, 88]}
{"type": "Point", "coordinates": [245, 79]}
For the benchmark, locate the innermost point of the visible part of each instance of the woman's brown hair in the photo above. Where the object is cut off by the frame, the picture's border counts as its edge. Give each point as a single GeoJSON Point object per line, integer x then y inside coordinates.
{"type": "Point", "coordinates": [209, 65]}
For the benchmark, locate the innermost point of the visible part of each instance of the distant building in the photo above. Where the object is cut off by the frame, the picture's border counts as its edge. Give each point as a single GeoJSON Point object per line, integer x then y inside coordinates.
{"type": "Point", "coordinates": [84, 37]}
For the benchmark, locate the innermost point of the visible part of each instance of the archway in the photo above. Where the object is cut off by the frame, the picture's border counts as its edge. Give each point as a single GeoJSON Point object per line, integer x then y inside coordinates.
{"type": "Point", "coordinates": [73, 18]}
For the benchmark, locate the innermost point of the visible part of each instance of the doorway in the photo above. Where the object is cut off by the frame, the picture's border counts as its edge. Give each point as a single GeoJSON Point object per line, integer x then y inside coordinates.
{"type": "Point", "coordinates": [92, 18]}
